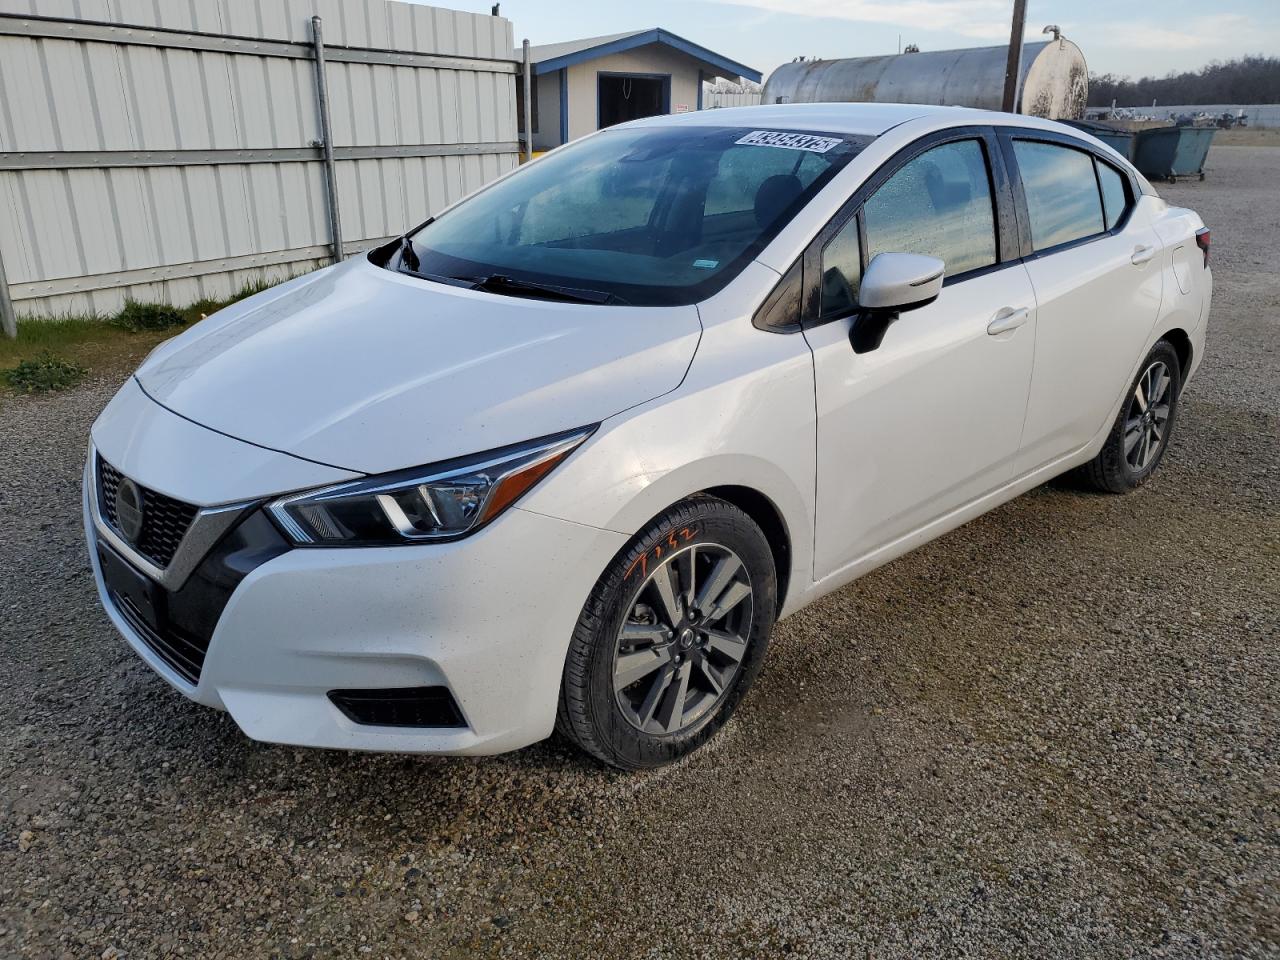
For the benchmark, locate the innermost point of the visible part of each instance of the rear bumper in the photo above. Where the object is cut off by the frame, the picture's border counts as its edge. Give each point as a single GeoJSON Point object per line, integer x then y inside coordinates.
{"type": "Point", "coordinates": [489, 618]}
{"type": "Point", "coordinates": [1200, 334]}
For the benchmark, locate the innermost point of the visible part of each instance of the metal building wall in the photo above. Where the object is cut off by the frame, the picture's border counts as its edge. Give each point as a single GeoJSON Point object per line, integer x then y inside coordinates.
{"type": "Point", "coordinates": [174, 166]}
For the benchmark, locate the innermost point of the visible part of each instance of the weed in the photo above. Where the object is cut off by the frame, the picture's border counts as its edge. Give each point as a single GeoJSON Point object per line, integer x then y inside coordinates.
{"type": "Point", "coordinates": [147, 316]}
{"type": "Point", "coordinates": [44, 373]}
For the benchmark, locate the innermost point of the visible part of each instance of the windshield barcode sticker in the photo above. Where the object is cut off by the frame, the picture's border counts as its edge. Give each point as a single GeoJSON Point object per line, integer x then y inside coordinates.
{"type": "Point", "coordinates": [790, 141]}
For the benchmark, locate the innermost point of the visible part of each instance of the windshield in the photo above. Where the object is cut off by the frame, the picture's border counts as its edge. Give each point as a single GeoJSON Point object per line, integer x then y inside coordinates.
{"type": "Point", "coordinates": [649, 216]}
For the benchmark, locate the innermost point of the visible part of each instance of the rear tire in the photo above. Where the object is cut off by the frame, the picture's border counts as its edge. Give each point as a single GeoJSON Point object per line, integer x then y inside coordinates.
{"type": "Point", "coordinates": [671, 638]}
{"type": "Point", "coordinates": [1140, 435]}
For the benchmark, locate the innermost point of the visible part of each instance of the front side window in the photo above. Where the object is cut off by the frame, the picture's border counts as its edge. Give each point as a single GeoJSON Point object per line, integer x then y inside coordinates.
{"type": "Point", "coordinates": [939, 204]}
{"type": "Point", "coordinates": [1063, 201]}
{"type": "Point", "coordinates": [650, 216]}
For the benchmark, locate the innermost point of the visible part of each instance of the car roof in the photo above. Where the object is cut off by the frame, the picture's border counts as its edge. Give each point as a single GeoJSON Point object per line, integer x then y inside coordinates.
{"type": "Point", "coordinates": [867, 119]}
{"type": "Point", "coordinates": [862, 119]}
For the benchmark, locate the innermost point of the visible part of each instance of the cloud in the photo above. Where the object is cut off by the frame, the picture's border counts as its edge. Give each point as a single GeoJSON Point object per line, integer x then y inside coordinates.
{"type": "Point", "coordinates": [1197, 33]}
{"type": "Point", "coordinates": [985, 19]}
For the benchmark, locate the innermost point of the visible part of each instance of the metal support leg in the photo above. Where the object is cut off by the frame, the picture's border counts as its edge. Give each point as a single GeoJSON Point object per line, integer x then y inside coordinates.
{"type": "Point", "coordinates": [8, 318]}
{"type": "Point", "coordinates": [326, 144]}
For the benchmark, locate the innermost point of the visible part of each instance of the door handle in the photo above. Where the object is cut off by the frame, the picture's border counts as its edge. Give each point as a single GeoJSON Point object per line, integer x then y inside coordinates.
{"type": "Point", "coordinates": [1142, 254]}
{"type": "Point", "coordinates": [1008, 319]}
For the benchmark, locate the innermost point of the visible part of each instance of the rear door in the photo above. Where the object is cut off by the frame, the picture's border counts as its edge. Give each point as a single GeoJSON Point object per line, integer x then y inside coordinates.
{"type": "Point", "coordinates": [1094, 261]}
{"type": "Point", "coordinates": [930, 419]}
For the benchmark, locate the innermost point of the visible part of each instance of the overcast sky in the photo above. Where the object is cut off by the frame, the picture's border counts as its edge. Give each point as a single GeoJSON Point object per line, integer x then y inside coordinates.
{"type": "Point", "coordinates": [1117, 36]}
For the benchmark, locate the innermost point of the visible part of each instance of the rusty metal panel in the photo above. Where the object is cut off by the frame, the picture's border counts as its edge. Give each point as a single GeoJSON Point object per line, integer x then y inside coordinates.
{"type": "Point", "coordinates": [1054, 79]}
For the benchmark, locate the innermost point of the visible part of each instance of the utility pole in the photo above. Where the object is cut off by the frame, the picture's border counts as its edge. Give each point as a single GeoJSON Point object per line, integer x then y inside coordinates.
{"type": "Point", "coordinates": [326, 145]}
{"type": "Point", "coordinates": [527, 94]}
{"type": "Point", "coordinates": [1013, 69]}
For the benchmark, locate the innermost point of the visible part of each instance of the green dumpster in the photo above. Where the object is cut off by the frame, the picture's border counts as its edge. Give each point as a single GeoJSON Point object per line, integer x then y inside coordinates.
{"type": "Point", "coordinates": [1119, 140]}
{"type": "Point", "coordinates": [1167, 153]}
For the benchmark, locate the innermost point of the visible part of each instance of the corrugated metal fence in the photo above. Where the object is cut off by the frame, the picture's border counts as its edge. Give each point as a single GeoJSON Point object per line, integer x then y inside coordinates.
{"type": "Point", "coordinates": [714, 99]}
{"type": "Point", "coordinates": [725, 94]}
{"type": "Point", "coordinates": [172, 150]}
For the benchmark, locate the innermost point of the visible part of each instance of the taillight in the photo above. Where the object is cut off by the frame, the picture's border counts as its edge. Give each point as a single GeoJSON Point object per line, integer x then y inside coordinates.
{"type": "Point", "coordinates": [1202, 241]}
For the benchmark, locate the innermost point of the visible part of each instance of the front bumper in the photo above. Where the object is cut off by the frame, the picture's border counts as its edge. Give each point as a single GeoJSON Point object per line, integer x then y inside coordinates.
{"type": "Point", "coordinates": [488, 617]}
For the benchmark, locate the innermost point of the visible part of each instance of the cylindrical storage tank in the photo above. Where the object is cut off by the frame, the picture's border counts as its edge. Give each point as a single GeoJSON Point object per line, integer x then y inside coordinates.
{"type": "Point", "coordinates": [1055, 79]}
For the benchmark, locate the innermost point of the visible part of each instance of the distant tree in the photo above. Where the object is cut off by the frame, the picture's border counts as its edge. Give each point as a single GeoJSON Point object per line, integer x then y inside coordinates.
{"type": "Point", "coordinates": [1249, 79]}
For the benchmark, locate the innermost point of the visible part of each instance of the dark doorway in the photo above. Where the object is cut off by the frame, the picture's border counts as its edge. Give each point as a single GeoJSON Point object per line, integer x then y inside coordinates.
{"type": "Point", "coordinates": [627, 96]}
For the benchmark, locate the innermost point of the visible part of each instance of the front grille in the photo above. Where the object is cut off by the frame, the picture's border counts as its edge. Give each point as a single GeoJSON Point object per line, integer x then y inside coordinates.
{"type": "Point", "coordinates": [399, 707]}
{"type": "Point", "coordinates": [180, 650]}
{"type": "Point", "coordinates": [178, 625]}
{"type": "Point", "coordinates": [164, 519]}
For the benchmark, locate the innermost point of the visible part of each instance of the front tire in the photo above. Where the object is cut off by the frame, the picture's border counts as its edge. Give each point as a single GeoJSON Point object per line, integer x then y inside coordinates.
{"type": "Point", "coordinates": [671, 638]}
{"type": "Point", "coordinates": [1140, 435]}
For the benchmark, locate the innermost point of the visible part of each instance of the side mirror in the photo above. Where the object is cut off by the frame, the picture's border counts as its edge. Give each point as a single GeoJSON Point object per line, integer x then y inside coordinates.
{"type": "Point", "coordinates": [901, 281]}
{"type": "Point", "coordinates": [893, 284]}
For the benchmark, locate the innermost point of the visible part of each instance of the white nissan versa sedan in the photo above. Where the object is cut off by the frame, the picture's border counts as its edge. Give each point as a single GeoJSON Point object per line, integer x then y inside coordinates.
{"type": "Point", "coordinates": [561, 457]}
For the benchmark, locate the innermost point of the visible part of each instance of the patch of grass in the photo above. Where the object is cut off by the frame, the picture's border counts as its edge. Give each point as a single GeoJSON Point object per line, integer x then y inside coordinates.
{"type": "Point", "coordinates": [1248, 137]}
{"type": "Point", "coordinates": [44, 373]}
{"type": "Point", "coordinates": [147, 316]}
{"type": "Point", "coordinates": [114, 343]}
{"type": "Point", "coordinates": [52, 334]}
{"type": "Point", "coordinates": [203, 308]}
{"type": "Point", "coordinates": [83, 339]}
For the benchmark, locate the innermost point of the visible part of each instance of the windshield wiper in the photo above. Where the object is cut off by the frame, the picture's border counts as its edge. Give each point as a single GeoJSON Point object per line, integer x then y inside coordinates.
{"type": "Point", "coordinates": [509, 286]}
{"type": "Point", "coordinates": [409, 263]}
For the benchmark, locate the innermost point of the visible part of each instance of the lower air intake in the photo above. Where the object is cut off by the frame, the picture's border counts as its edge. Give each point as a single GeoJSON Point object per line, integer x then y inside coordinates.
{"type": "Point", "coordinates": [399, 707]}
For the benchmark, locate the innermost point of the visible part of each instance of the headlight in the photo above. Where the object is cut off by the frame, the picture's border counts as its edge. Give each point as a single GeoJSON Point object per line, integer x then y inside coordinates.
{"type": "Point", "coordinates": [440, 502]}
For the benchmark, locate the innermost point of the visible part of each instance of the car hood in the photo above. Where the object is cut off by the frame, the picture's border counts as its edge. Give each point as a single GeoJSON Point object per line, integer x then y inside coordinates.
{"type": "Point", "coordinates": [368, 370]}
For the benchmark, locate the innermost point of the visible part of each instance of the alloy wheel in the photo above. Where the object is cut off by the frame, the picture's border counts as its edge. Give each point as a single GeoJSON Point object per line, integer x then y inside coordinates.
{"type": "Point", "coordinates": [683, 640]}
{"type": "Point", "coordinates": [1146, 423]}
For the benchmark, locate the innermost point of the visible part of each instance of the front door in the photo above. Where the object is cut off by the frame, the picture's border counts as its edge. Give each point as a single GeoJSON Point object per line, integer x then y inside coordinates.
{"type": "Point", "coordinates": [931, 419]}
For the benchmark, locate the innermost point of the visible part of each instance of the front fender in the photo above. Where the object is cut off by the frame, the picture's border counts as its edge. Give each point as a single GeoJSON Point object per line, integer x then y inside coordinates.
{"type": "Point", "coordinates": [743, 417]}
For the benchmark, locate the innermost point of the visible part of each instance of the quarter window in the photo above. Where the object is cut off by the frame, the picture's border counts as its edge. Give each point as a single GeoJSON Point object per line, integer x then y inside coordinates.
{"type": "Point", "coordinates": [1062, 194]}
{"type": "Point", "coordinates": [1114, 200]}
{"type": "Point", "coordinates": [841, 271]}
{"type": "Point", "coordinates": [938, 204]}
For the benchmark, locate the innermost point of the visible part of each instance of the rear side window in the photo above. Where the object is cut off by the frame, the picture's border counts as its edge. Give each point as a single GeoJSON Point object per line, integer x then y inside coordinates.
{"type": "Point", "coordinates": [938, 204]}
{"type": "Point", "coordinates": [743, 169]}
{"type": "Point", "coordinates": [1062, 193]}
{"type": "Point", "coordinates": [1114, 200]}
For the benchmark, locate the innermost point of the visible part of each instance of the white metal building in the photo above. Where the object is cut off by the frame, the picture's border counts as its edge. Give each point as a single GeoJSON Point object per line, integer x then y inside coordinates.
{"type": "Point", "coordinates": [585, 85]}
{"type": "Point", "coordinates": [172, 150]}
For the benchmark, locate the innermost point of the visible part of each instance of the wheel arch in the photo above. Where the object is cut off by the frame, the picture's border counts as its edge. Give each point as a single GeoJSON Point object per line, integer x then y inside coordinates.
{"type": "Point", "coordinates": [1180, 340]}
{"type": "Point", "coordinates": [628, 490]}
{"type": "Point", "coordinates": [766, 515]}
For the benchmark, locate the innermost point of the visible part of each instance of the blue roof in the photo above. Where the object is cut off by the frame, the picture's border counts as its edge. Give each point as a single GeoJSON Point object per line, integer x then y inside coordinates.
{"type": "Point", "coordinates": [556, 56]}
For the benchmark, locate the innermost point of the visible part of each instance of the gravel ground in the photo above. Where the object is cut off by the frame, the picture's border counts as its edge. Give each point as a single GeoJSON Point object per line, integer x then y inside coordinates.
{"type": "Point", "coordinates": [1052, 733]}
